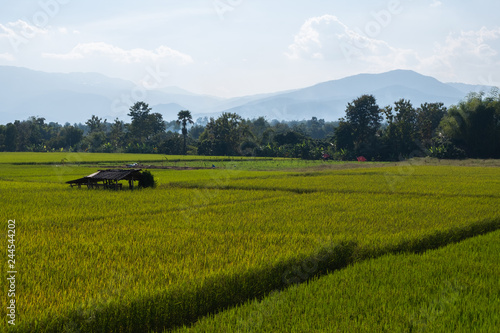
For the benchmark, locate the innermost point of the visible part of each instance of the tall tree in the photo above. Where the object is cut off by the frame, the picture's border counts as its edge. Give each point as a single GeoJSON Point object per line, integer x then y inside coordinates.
{"type": "Point", "coordinates": [2, 137]}
{"type": "Point", "coordinates": [428, 118]}
{"type": "Point", "coordinates": [184, 117]}
{"type": "Point", "coordinates": [117, 133]}
{"type": "Point", "coordinates": [363, 116]}
{"type": "Point", "coordinates": [32, 133]}
{"type": "Point", "coordinates": [316, 128]}
{"type": "Point", "coordinates": [223, 136]}
{"type": "Point", "coordinates": [343, 137]}
{"type": "Point", "coordinates": [11, 137]}
{"type": "Point", "coordinates": [260, 128]}
{"type": "Point", "coordinates": [144, 124]}
{"type": "Point", "coordinates": [405, 123]}
{"type": "Point", "coordinates": [71, 136]}
{"type": "Point", "coordinates": [96, 138]}
{"type": "Point", "coordinates": [139, 113]}
{"type": "Point", "coordinates": [95, 124]}
{"type": "Point", "coordinates": [474, 125]}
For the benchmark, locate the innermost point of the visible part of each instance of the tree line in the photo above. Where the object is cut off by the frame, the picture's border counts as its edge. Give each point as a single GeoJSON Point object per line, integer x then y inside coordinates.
{"type": "Point", "coordinates": [469, 129]}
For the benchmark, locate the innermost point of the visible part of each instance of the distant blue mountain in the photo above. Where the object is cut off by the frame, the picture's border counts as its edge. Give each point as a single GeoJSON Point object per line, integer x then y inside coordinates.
{"type": "Point", "coordinates": [76, 97]}
{"type": "Point", "coordinates": [328, 100]}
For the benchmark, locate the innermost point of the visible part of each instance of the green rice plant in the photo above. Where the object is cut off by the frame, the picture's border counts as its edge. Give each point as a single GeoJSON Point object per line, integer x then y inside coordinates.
{"type": "Point", "coordinates": [453, 289]}
{"type": "Point", "coordinates": [75, 158]}
{"type": "Point", "coordinates": [84, 158]}
{"type": "Point", "coordinates": [423, 180]}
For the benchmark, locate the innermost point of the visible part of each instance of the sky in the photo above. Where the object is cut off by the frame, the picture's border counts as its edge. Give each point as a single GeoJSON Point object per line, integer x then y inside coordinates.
{"type": "Point", "coordinates": [230, 48]}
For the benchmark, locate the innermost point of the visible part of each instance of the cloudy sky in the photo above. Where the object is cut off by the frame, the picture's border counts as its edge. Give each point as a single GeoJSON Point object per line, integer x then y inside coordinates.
{"type": "Point", "coordinates": [239, 47]}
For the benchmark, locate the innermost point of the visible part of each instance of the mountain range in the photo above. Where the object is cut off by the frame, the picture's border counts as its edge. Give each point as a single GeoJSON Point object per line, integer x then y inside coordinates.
{"type": "Point", "coordinates": [75, 97]}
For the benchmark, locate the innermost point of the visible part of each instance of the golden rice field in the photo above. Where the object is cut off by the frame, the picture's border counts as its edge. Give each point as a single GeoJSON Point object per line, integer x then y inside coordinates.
{"type": "Point", "coordinates": [210, 239]}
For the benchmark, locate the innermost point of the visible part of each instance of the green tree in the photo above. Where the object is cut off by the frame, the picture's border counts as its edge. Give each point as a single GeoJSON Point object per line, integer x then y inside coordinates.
{"type": "Point", "coordinates": [139, 113]}
{"type": "Point", "coordinates": [33, 133]}
{"type": "Point", "coordinates": [95, 124]}
{"type": "Point", "coordinates": [363, 117]}
{"type": "Point", "coordinates": [224, 135]}
{"type": "Point", "coordinates": [95, 140]}
{"type": "Point", "coordinates": [290, 137]}
{"type": "Point", "coordinates": [172, 144]}
{"type": "Point", "coordinates": [474, 125]}
{"type": "Point", "coordinates": [495, 103]}
{"type": "Point", "coordinates": [402, 128]}
{"type": "Point", "coordinates": [429, 117]}
{"type": "Point", "coordinates": [316, 128]}
{"type": "Point", "coordinates": [10, 137]}
{"type": "Point", "coordinates": [71, 136]}
{"type": "Point", "coordinates": [261, 130]}
{"type": "Point", "coordinates": [343, 137]}
{"type": "Point", "coordinates": [196, 131]}
{"type": "Point", "coordinates": [144, 125]}
{"type": "Point", "coordinates": [117, 134]}
{"type": "Point", "coordinates": [2, 137]}
{"type": "Point", "coordinates": [184, 118]}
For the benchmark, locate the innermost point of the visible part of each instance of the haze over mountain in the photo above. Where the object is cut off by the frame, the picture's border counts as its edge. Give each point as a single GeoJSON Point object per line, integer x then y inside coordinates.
{"type": "Point", "coordinates": [328, 100]}
{"type": "Point", "coordinates": [76, 97]}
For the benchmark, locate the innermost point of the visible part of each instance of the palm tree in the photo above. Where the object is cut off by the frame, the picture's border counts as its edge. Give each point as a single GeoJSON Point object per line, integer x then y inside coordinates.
{"type": "Point", "coordinates": [184, 117]}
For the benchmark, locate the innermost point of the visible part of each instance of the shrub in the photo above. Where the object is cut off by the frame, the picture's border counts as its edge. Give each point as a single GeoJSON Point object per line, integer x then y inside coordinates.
{"type": "Point", "coordinates": [445, 149]}
{"type": "Point", "coordinates": [147, 180]}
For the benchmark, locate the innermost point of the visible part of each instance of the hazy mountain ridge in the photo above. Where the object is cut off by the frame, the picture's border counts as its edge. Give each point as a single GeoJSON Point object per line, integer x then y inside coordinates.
{"type": "Point", "coordinates": [75, 97]}
{"type": "Point", "coordinates": [330, 98]}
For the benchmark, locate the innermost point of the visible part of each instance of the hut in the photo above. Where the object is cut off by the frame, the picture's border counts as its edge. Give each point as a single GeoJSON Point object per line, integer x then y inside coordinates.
{"type": "Point", "coordinates": [108, 179]}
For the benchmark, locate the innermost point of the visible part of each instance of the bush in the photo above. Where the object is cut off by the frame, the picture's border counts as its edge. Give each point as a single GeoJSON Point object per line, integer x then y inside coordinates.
{"type": "Point", "coordinates": [147, 180]}
{"type": "Point", "coordinates": [444, 149]}
{"type": "Point", "coordinates": [344, 155]}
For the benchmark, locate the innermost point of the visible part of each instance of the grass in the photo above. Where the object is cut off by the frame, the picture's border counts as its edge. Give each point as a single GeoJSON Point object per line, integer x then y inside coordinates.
{"type": "Point", "coordinates": [205, 240]}
{"type": "Point", "coordinates": [175, 161]}
{"type": "Point", "coordinates": [73, 158]}
{"type": "Point", "coordinates": [78, 158]}
{"type": "Point", "coordinates": [453, 289]}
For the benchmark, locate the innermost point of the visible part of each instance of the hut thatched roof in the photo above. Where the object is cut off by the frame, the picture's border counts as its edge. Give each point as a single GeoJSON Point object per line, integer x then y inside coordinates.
{"type": "Point", "coordinates": [110, 174]}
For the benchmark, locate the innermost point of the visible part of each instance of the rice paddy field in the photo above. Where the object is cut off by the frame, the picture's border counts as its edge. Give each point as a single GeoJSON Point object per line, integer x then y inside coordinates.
{"type": "Point", "coordinates": [236, 247]}
{"type": "Point", "coordinates": [452, 289]}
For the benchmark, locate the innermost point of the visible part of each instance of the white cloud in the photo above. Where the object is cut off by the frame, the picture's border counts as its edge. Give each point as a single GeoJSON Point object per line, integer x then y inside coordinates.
{"type": "Point", "coordinates": [20, 28]}
{"type": "Point", "coordinates": [6, 57]}
{"type": "Point", "coordinates": [22, 33]}
{"type": "Point", "coordinates": [116, 54]}
{"type": "Point", "coordinates": [469, 53]}
{"type": "Point", "coordinates": [314, 36]}
{"type": "Point", "coordinates": [463, 56]}
{"type": "Point", "coordinates": [327, 38]}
